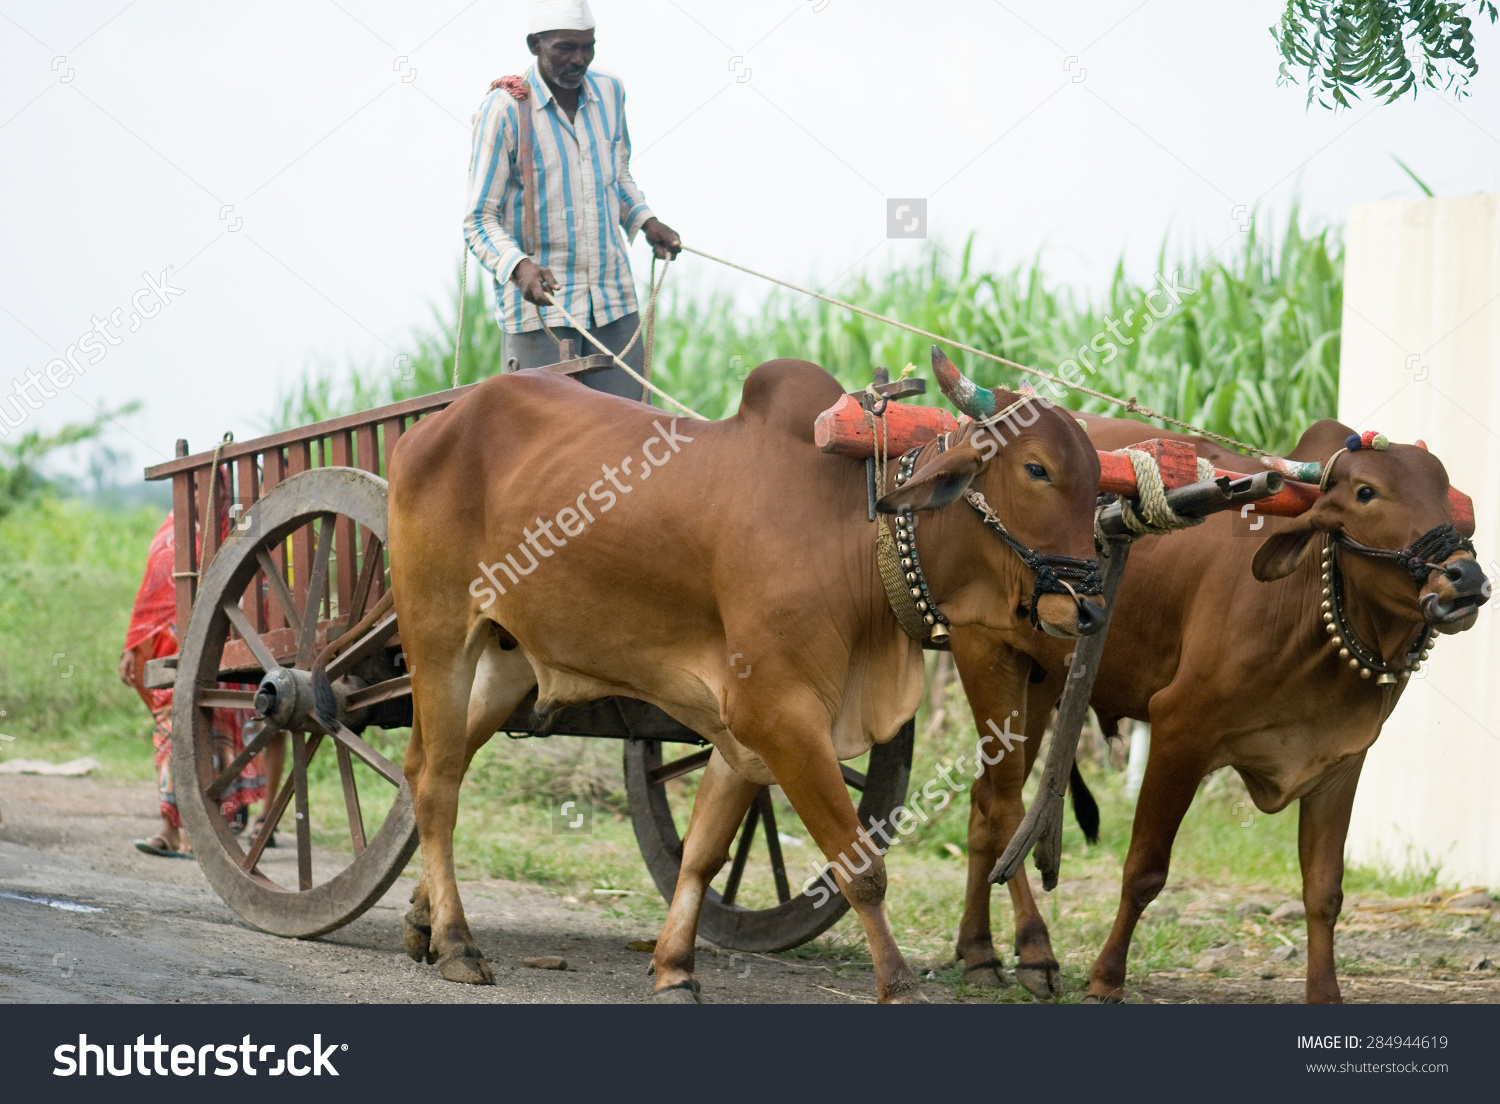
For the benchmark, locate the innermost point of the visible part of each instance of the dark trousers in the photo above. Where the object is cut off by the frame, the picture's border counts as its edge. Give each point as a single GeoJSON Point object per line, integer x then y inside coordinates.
{"type": "Point", "coordinates": [534, 349]}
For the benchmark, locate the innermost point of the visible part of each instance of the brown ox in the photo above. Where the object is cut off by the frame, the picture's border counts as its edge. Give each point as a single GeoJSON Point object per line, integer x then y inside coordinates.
{"type": "Point", "coordinates": [1230, 671]}
{"type": "Point", "coordinates": [649, 577]}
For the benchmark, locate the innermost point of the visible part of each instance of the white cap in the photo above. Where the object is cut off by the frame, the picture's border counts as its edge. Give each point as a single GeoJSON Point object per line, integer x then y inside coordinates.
{"type": "Point", "coordinates": [561, 15]}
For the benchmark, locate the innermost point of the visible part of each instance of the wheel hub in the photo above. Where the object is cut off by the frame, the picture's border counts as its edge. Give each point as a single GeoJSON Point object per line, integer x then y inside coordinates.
{"type": "Point", "coordinates": [284, 697]}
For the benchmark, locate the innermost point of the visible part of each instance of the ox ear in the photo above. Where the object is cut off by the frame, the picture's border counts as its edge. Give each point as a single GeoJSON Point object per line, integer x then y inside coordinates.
{"type": "Point", "coordinates": [936, 483]}
{"type": "Point", "coordinates": [1279, 556]}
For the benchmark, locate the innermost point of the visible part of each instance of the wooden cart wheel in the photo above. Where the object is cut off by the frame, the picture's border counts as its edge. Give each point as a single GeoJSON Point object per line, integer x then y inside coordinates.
{"type": "Point", "coordinates": [741, 915]}
{"type": "Point", "coordinates": [304, 561]}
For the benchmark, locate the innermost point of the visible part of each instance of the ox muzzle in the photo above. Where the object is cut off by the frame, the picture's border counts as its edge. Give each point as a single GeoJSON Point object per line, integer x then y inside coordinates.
{"type": "Point", "coordinates": [1441, 562]}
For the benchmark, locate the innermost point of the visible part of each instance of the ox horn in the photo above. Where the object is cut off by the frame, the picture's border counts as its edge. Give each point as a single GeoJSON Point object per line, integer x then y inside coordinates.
{"type": "Point", "coordinates": [1303, 471]}
{"type": "Point", "coordinates": [975, 401]}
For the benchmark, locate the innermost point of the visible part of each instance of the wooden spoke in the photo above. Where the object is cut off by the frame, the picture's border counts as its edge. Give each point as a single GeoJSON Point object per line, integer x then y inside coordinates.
{"type": "Point", "coordinates": [299, 779]}
{"type": "Point", "coordinates": [279, 590]}
{"type": "Point", "coordinates": [375, 638]}
{"type": "Point", "coordinates": [374, 561]}
{"type": "Point", "coordinates": [218, 697]}
{"type": "Point", "coordinates": [852, 777]}
{"type": "Point", "coordinates": [274, 814]}
{"type": "Point", "coordinates": [238, 763]}
{"type": "Point", "coordinates": [678, 767]}
{"type": "Point", "coordinates": [317, 583]}
{"type": "Point", "coordinates": [742, 852]}
{"type": "Point", "coordinates": [381, 691]}
{"type": "Point", "coordinates": [351, 799]}
{"type": "Point", "coordinates": [773, 844]}
{"type": "Point", "coordinates": [252, 639]}
{"type": "Point", "coordinates": [379, 763]}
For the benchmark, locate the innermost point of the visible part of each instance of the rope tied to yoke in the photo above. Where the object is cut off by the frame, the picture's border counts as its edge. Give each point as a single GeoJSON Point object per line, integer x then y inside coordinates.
{"type": "Point", "coordinates": [1150, 514]}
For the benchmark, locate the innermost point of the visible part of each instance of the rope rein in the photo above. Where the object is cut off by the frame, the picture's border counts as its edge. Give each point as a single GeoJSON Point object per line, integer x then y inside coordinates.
{"type": "Point", "coordinates": [520, 91]}
{"type": "Point", "coordinates": [1130, 405]}
{"type": "Point", "coordinates": [629, 371]}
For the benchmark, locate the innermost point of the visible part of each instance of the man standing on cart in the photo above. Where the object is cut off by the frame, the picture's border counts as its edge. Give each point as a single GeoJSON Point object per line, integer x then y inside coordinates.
{"type": "Point", "coordinates": [552, 202]}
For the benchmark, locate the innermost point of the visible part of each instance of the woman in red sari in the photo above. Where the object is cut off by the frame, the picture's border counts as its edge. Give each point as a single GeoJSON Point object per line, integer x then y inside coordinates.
{"type": "Point", "coordinates": [152, 634]}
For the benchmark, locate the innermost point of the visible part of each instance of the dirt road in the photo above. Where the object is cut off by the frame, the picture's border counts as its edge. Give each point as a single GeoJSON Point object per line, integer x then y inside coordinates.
{"type": "Point", "coordinates": [86, 917]}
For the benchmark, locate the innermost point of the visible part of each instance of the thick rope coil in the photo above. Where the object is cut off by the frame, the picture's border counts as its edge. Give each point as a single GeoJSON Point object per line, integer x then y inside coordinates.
{"type": "Point", "coordinates": [1150, 514]}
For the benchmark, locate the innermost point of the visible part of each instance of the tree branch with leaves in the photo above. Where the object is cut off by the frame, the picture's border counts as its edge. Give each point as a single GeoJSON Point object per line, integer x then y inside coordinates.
{"type": "Point", "coordinates": [1384, 47]}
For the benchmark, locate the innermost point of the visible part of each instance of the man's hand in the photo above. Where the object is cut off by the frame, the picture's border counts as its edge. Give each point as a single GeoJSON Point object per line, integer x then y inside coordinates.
{"type": "Point", "coordinates": [663, 238]}
{"type": "Point", "coordinates": [535, 282]}
{"type": "Point", "coordinates": [127, 667]}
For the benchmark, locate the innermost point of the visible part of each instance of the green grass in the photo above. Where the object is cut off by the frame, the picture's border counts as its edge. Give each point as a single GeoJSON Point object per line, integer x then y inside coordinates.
{"type": "Point", "coordinates": [1252, 352]}
{"type": "Point", "coordinates": [68, 577]}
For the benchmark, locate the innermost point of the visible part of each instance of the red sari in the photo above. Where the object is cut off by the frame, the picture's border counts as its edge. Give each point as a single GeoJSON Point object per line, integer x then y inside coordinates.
{"type": "Point", "coordinates": [153, 634]}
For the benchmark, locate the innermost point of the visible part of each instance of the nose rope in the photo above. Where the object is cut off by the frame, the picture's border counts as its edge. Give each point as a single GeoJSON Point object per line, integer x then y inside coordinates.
{"type": "Point", "coordinates": [1054, 574]}
{"type": "Point", "coordinates": [1422, 556]}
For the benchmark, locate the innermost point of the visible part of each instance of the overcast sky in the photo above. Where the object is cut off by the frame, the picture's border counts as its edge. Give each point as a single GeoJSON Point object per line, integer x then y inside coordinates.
{"type": "Point", "coordinates": [298, 168]}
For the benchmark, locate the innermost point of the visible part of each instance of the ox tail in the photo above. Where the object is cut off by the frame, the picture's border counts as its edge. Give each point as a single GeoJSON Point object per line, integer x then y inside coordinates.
{"type": "Point", "coordinates": [1085, 808]}
{"type": "Point", "coordinates": [325, 701]}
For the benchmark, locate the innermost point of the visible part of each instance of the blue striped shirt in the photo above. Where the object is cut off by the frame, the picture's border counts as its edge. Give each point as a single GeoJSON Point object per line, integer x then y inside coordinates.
{"type": "Point", "coordinates": [585, 199]}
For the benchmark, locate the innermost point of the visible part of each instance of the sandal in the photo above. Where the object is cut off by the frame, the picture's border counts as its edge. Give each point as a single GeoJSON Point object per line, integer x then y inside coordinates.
{"type": "Point", "coordinates": [158, 846]}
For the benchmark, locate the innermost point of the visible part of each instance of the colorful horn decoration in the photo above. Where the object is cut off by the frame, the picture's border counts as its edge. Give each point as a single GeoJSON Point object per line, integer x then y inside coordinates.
{"type": "Point", "coordinates": [1303, 471]}
{"type": "Point", "coordinates": [975, 401]}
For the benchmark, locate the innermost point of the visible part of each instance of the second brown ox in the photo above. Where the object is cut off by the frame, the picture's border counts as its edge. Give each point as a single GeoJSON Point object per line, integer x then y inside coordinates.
{"type": "Point", "coordinates": [1221, 638]}
{"type": "Point", "coordinates": [526, 552]}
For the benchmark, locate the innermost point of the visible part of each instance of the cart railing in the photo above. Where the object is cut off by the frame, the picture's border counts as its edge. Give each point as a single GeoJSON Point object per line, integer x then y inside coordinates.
{"type": "Point", "coordinates": [248, 470]}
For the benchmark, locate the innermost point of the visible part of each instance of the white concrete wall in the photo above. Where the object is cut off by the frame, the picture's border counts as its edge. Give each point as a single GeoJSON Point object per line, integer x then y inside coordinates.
{"type": "Point", "coordinates": [1421, 358]}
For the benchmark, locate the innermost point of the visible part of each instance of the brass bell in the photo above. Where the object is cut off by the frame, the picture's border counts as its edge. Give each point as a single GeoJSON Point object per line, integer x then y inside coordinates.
{"type": "Point", "coordinates": [1386, 679]}
{"type": "Point", "coordinates": [939, 631]}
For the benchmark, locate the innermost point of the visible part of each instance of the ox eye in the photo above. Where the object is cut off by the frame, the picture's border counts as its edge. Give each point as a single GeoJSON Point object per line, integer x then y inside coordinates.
{"type": "Point", "coordinates": [1365, 494]}
{"type": "Point", "coordinates": [1036, 471]}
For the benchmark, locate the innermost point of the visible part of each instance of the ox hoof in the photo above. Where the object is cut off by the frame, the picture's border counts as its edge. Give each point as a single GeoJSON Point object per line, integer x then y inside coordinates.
{"type": "Point", "coordinates": [1042, 980]}
{"type": "Point", "coordinates": [418, 940]}
{"type": "Point", "coordinates": [684, 992]}
{"type": "Point", "coordinates": [466, 966]}
{"type": "Point", "coordinates": [987, 975]}
{"type": "Point", "coordinates": [906, 991]}
{"type": "Point", "coordinates": [1094, 999]}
